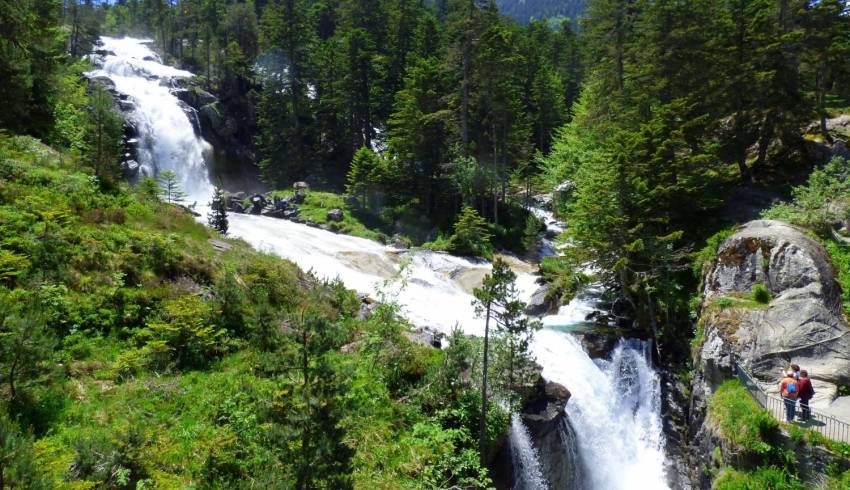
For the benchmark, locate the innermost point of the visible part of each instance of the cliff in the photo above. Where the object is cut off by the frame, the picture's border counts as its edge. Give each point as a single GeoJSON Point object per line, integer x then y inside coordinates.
{"type": "Point", "coordinates": [769, 298]}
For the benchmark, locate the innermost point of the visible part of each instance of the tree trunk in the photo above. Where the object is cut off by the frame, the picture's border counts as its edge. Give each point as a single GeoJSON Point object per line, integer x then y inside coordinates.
{"type": "Point", "coordinates": [482, 423]}
{"type": "Point", "coordinates": [305, 430]}
{"type": "Point", "coordinates": [464, 123]}
{"type": "Point", "coordinates": [495, 176]}
{"type": "Point", "coordinates": [765, 138]}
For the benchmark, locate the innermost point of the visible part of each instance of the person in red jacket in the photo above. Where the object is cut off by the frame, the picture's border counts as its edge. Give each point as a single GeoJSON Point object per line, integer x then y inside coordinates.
{"type": "Point", "coordinates": [804, 386]}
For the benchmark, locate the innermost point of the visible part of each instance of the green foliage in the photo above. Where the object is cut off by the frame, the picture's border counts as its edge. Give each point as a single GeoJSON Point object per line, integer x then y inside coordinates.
{"type": "Point", "coordinates": [820, 202]}
{"type": "Point", "coordinates": [745, 424]}
{"type": "Point", "coordinates": [17, 466]}
{"type": "Point", "coordinates": [182, 364]}
{"type": "Point", "coordinates": [531, 235]}
{"type": "Point", "coordinates": [365, 177]}
{"type": "Point", "coordinates": [103, 137]}
{"type": "Point", "coordinates": [471, 236]}
{"type": "Point", "coordinates": [25, 346]}
{"type": "Point", "coordinates": [706, 256]}
{"type": "Point", "coordinates": [565, 278]}
{"type": "Point", "coordinates": [764, 477]}
{"type": "Point", "coordinates": [31, 47]}
{"type": "Point", "coordinates": [185, 330]}
{"type": "Point", "coordinates": [839, 255]}
{"type": "Point", "coordinates": [761, 294]}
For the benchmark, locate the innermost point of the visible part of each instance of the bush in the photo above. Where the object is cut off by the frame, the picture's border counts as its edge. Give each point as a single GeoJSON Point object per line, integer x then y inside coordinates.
{"type": "Point", "coordinates": [186, 330]}
{"type": "Point", "coordinates": [761, 294]}
{"type": "Point", "coordinates": [771, 477]}
{"type": "Point", "coordinates": [708, 253]}
{"type": "Point", "coordinates": [471, 236]}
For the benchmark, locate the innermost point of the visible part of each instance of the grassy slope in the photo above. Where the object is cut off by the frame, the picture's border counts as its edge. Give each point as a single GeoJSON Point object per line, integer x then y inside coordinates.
{"type": "Point", "coordinates": [104, 268]}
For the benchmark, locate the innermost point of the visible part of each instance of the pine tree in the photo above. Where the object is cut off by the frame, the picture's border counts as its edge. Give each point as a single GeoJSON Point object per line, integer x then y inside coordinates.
{"type": "Point", "coordinates": [18, 467]}
{"type": "Point", "coordinates": [471, 236]}
{"type": "Point", "coordinates": [25, 345]}
{"type": "Point", "coordinates": [217, 217]}
{"type": "Point", "coordinates": [170, 187]}
{"type": "Point", "coordinates": [490, 301]}
{"type": "Point", "coordinates": [308, 411]}
{"type": "Point", "coordinates": [103, 137]}
{"type": "Point", "coordinates": [364, 177]}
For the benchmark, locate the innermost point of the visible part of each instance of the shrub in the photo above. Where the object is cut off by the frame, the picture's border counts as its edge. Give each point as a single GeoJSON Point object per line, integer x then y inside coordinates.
{"type": "Point", "coordinates": [761, 294]}
{"type": "Point", "coordinates": [471, 236]}
{"type": "Point", "coordinates": [708, 253]}
{"type": "Point", "coordinates": [186, 330]}
{"type": "Point", "coordinates": [761, 478]}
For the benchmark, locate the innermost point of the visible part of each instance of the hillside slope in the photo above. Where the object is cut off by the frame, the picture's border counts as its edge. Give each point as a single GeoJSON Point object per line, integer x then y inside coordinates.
{"type": "Point", "coordinates": [139, 349]}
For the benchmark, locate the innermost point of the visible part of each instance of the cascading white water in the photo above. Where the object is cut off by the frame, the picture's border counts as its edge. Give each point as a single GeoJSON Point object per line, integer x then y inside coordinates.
{"type": "Point", "coordinates": [614, 409]}
{"type": "Point", "coordinates": [526, 464]}
{"type": "Point", "coordinates": [167, 139]}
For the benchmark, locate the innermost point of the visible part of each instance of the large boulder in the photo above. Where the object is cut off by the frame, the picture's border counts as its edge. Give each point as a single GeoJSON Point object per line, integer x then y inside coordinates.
{"type": "Point", "coordinates": [195, 97]}
{"type": "Point", "coordinates": [803, 322]}
{"type": "Point", "coordinates": [335, 215]}
{"type": "Point", "coordinates": [552, 434]}
{"type": "Point", "coordinates": [538, 304]}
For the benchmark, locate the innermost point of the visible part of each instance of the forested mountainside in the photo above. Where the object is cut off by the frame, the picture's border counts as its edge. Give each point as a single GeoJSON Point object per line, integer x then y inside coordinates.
{"type": "Point", "coordinates": [141, 349]}
{"type": "Point", "coordinates": [524, 11]}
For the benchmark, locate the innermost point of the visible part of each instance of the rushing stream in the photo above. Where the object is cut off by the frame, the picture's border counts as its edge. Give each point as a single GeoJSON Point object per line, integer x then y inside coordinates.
{"type": "Point", "coordinates": [614, 411]}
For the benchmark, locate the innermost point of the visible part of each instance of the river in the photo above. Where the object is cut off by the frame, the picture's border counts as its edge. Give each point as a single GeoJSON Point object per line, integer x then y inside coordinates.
{"type": "Point", "coordinates": [615, 406]}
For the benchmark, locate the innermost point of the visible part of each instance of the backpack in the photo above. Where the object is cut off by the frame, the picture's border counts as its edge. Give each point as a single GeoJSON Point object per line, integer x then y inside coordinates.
{"type": "Point", "coordinates": [791, 389]}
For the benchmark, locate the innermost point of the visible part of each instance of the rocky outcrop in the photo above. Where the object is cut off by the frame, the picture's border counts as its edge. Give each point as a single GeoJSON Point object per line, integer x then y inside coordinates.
{"type": "Point", "coordinates": [802, 323]}
{"type": "Point", "coordinates": [540, 304]}
{"type": "Point", "coordinates": [549, 429]}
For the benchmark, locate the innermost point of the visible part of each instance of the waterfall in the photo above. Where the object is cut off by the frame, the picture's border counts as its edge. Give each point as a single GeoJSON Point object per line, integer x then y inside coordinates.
{"type": "Point", "coordinates": [167, 138]}
{"type": "Point", "coordinates": [614, 410]}
{"type": "Point", "coordinates": [570, 449]}
{"type": "Point", "coordinates": [526, 465]}
{"type": "Point", "coordinates": [614, 425]}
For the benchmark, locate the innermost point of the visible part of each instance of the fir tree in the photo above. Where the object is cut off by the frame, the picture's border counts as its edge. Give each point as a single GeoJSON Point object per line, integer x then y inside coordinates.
{"type": "Point", "coordinates": [490, 301]}
{"type": "Point", "coordinates": [170, 187]}
{"type": "Point", "coordinates": [217, 217]}
{"type": "Point", "coordinates": [471, 236]}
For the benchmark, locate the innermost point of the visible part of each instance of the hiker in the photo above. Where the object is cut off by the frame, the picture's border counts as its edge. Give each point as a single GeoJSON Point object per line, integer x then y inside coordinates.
{"type": "Point", "coordinates": [795, 370]}
{"type": "Point", "coordinates": [789, 392]}
{"type": "Point", "coordinates": [806, 392]}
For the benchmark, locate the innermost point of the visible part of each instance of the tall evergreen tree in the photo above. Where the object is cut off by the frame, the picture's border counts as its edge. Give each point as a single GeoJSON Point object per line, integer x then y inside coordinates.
{"type": "Point", "coordinates": [217, 217]}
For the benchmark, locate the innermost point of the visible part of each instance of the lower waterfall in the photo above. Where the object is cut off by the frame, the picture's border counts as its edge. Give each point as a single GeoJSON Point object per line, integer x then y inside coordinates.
{"type": "Point", "coordinates": [524, 458]}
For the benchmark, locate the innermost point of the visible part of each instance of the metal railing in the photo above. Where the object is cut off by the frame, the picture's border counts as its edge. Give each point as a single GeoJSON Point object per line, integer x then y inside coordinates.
{"type": "Point", "coordinates": [827, 425]}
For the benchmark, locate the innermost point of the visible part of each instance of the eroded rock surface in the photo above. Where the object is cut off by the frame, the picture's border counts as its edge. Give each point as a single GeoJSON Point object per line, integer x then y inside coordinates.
{"type": "Point", "coordinates": [802, 323]}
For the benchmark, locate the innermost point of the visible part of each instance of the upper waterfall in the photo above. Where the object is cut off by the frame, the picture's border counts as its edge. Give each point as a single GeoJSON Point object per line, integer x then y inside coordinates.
{"type": "Point", "coordinates": [167, 137]}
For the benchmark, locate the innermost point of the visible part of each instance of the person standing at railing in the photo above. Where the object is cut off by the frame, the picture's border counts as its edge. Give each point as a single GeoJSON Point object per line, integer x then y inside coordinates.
{"type": "Point", "coordinates": [804, 387]}
{"type": "Point", "coordinates": [788, 389]}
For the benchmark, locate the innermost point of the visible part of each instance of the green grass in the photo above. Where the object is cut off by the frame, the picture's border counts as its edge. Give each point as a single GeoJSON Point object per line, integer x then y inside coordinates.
{"type": "Point", "coordinates": [765, 478]}
{"type": "Point", "coordinates": [355, 222]}
{"type": "Point", "coordinates": [741, 420]}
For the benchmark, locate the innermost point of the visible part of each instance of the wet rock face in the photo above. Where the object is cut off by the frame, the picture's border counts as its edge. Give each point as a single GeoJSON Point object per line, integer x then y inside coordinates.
{"type": "Point", "coordinates": [549, 429]}
{"type": "Point", "coordinates": [802, 323]}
